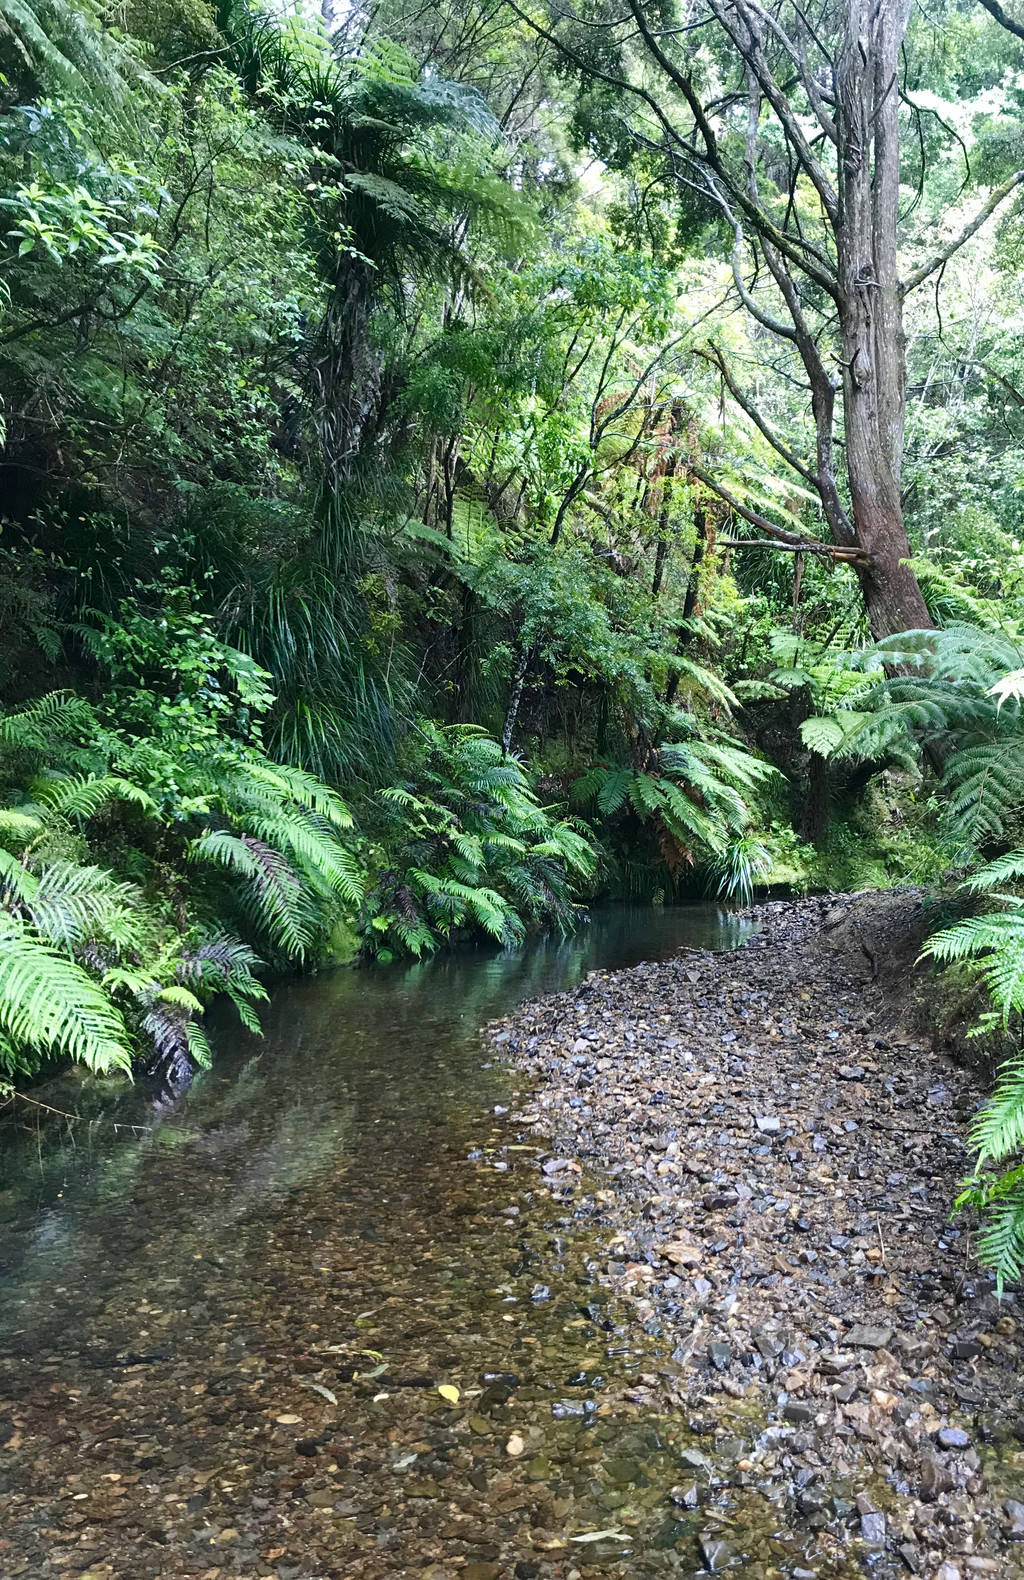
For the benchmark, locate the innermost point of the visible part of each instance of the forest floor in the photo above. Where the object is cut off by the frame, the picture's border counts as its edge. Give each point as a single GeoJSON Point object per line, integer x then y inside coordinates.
{"type": "Point", "coordinates": [776, 1153]}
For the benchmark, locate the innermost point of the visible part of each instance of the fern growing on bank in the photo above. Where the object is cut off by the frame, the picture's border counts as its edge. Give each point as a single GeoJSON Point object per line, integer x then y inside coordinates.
{"type": "Point", "coordinates": [696, 797]}
{"type": "Point", "coordinates": [995, 940]}
{"type": "Point", "coordinates": [153, 856]}
{"type": "Point", "coordinates": [462, 843]}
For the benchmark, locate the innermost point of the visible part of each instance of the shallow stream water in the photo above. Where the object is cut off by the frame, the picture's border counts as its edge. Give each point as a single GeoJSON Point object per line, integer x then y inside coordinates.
{"type": "Point", "coordinates": [223, 1328]}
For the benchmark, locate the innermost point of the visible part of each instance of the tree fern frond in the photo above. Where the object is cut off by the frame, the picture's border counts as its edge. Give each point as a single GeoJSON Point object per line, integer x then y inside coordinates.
{"type": "Point", "coordinates": [83, 797]}
{"type": "Point", "coordinates": [273, 889]}
{"type": "Point", "coordinates": [49, 1003]}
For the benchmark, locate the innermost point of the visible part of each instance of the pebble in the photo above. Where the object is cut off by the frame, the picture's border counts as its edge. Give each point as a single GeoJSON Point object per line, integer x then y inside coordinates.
{"type": "Point", "coordinates": [863, 1336]}
{"type": "Point", "coordinates": [954, 1437]}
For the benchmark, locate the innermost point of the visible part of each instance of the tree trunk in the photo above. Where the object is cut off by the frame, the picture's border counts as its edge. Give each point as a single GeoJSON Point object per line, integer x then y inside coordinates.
{"type": "Point", "coordinates": [700, 522]}
{"type": "Point", "coordinates": [515, 697]}
{"type": "Point", "coordinates": [871, 309]}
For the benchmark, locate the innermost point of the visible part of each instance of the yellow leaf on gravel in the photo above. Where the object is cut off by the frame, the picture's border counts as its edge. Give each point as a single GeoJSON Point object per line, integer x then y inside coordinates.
{"type": "Point", "coordinates": [447, 1391]}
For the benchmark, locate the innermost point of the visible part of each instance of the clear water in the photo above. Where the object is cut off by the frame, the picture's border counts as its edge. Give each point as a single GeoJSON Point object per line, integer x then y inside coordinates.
{"type": "Point", "coordinates": [223, 1328]}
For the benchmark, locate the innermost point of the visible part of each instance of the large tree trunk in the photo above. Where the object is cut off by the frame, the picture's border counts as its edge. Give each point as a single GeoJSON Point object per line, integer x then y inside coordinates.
{"type": "Point", "coordinates": [871, 309]}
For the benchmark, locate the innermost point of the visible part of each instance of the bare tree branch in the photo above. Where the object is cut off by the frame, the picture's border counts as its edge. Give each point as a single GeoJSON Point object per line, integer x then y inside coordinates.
{"type": "Point", "coordinates": [831, 551]}
{"type": "Point", "coordinates": [995, 9]}
{"type": "Point", "coordinates": [917, 276]}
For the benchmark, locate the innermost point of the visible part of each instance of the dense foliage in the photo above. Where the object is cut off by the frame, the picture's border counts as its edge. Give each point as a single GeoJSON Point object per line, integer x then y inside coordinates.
{"type": "Point", "coordinates": [437, 489]}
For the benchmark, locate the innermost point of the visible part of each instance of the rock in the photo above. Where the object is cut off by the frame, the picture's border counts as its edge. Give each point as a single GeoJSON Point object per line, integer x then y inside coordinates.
{"type": "Point", "coordinates": [954, 1437]}
{"type": "Point", "coordinates": [911, 1556]}
{"type": "Point", "coordinates": [865, 1504]}
{"type": "Point", "coordinates": [851, 1072]}
{"type": "Point", "coordinates": [863, 1336]}
{"type": "Point", "coordinates": [933, 1479]}
{"type": "Point", "coordinates": [480, 1571]}
{"type": "Point", "coordinates": [681, 1254]}
{"type": "Point", "coordinates": [947, 1571]}
{"type": "Point", "coordinates": [721, 1356]}
{"type": "Point", "coordinates": [1014, 1519]}
{"type": "Point", "coordinates": [714, 1552]}
{"type": "Point", "coordinates": [767, 1124]}
{"type": "Point", "coordinates": [799, 1412]}
{"type": "Point", "coordinates": [872, 1529]}
{"type": "Point", "coordinates": [694, 1459]}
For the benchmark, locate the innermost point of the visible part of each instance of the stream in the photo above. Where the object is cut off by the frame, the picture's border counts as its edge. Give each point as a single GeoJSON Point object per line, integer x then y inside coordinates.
{"type": "Point", "coordinates": [224, 1327]}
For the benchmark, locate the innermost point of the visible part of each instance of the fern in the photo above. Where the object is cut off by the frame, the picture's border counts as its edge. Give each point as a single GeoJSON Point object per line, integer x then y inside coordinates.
{"type": "Point", "coordinates": [49, 1003]}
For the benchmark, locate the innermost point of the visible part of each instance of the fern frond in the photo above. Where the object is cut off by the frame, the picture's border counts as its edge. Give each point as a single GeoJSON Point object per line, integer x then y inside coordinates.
{"type": "Point", "coordinates": [49, 1004]}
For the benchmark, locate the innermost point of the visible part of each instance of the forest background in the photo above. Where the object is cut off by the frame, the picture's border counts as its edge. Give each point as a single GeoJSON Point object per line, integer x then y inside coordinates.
{"type": "Point", "coordinates": [463, 461]}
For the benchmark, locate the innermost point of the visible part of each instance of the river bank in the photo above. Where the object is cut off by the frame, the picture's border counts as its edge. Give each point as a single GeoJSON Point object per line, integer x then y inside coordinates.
{"type": "Point", "coordinates": [779, 1157]}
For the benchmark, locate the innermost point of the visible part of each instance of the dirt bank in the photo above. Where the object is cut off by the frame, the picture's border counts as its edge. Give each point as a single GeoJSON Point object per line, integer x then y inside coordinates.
{"type": "Point", "coordinates": [779, 1158]}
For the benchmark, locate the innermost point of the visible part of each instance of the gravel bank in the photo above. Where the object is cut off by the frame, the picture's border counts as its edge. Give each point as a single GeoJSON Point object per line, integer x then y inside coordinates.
{"type": "Point", "coordinates": [774, 1164]}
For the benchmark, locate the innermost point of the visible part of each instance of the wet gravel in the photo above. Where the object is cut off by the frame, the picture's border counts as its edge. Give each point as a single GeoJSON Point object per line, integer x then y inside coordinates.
{"type": "Point", "coordinates": [774, 1168]}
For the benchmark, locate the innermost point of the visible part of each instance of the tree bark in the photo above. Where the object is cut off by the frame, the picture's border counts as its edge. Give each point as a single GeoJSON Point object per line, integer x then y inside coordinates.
{"type": "Point", "coordinates": [515, 697]}
{"type": "Point", "coordinates": [870, 307]}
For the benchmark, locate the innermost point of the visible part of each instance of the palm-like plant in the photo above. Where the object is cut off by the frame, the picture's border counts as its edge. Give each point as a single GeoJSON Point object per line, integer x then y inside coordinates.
{"type": "Point", "coordinates": [65, 51]}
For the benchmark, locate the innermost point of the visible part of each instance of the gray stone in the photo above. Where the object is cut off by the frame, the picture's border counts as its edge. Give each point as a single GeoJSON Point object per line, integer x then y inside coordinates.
{"type": "Point", "coordinates": [799, 1412]}
{"type": "Point", "coordinates": [872, 1529]}
{"type": "Point", "coordinates": [721, 1356]}
{"type": "Point", "coordinates": [954, 1437]}
{"type": "Point", "coordinates": [1015, 1520]}
{"type": "Point", "coordinates": [934, 1478]}
{"type": "Point", "coordinates": [713, 1551]}
{"type": "Point", "coordinates": [865, 1337]}
{"type": "Point", "coordinates": [850, 1072]}
{"type": "Point", "coordinates": [767, 1124]}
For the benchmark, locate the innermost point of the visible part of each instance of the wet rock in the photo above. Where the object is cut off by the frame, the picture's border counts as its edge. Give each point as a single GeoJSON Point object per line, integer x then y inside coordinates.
{"type": "Point", "coordinates": [954, 1437]}
{"type": "Point", "coordinates": [1014, 1519]}
{"type": "Point", "coordinates": [799, 1412]}
{"type": "Point", "coordinates": [715, 1553]}
{"type": "Point", "coordinates": [933, 1479]}
{"type": "Point", "coordinates": [872, 1529]}
{"type": "Point", "coordinates": [720, 1356]}
{"type": "Point", "coordinates": [767, 1124]}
